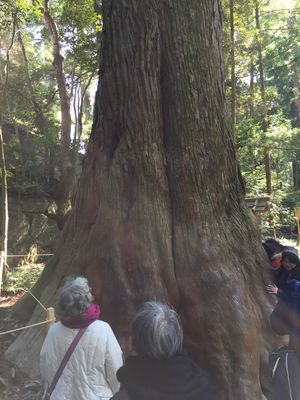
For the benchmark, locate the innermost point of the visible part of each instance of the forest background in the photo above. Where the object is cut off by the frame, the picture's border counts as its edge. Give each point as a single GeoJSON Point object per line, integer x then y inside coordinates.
{"type": "Point", "coordinates": [48, 78]}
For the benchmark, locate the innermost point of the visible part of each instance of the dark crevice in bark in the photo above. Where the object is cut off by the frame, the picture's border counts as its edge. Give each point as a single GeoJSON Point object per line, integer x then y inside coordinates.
{"type": "Point", "coordinates": [115, 140]}
{"type": "Point", "coordinates": [165, 139]}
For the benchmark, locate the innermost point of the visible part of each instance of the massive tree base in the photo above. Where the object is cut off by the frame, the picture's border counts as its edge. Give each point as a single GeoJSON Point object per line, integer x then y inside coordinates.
{"type": "Point", "coordinates": [159, 212]}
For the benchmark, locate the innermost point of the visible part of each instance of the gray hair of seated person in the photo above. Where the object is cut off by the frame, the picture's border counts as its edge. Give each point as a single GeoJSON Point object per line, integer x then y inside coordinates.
{"type": "Point", "coordinates": [73, 298]}
{"type": "Point", "coordinates": [157, 331]}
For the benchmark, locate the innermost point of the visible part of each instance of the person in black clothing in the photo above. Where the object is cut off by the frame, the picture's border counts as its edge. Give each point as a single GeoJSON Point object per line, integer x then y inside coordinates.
{"type": "Point", "coordinates": [290, 269]}
{"type": "Point", "coordinates": [291, 262]}
{"type": "Point", "coordinates": [285, 318]}
{"type": "Point", "coordinates": [284, 363]}
{"type": "Point", "coordinates": [274, 251]}
{"type": "Point", "coordinates": [161, 370]}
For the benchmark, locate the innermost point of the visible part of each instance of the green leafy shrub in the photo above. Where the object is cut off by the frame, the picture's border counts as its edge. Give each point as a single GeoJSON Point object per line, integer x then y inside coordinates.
{"type": "Point", "coordinates": [22, 278]}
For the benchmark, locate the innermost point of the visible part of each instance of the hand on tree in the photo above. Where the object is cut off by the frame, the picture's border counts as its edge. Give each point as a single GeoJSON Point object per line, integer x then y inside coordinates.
{"type": "Point", "coordinates": [272, 289]}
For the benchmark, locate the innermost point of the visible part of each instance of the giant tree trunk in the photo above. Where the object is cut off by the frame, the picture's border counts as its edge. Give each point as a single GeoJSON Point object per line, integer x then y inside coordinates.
{"type": "Point", "coordinates": [159, 212]}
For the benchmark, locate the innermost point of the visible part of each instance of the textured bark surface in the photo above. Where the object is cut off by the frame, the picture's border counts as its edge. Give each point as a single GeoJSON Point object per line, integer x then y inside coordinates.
{"type": "Point", "coordinates": [159, 211]}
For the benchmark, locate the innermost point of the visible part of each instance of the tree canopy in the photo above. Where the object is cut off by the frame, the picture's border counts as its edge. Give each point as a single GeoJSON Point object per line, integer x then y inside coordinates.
{"type": "Point", "coordinates": [277, 40]}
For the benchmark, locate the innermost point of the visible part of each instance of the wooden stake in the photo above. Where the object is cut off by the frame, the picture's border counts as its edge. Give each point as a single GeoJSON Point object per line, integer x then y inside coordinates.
{"type": "Point", "coordinates": [50, 316]}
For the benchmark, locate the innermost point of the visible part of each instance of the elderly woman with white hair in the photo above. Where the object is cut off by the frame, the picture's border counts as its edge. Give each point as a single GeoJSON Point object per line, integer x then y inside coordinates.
{"type": "Point", "coordinates": [160, 370]}
{"type": "Point", "coordinates": [80, 355]}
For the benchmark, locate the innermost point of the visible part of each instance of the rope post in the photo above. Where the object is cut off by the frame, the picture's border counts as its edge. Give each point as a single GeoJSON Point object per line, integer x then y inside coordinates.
{"type": "Point", "coordinates": [50, 316]}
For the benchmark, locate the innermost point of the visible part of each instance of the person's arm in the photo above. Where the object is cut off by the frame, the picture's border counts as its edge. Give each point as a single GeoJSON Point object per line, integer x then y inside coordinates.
{"type": "Point", "coordinates": [113, 360]}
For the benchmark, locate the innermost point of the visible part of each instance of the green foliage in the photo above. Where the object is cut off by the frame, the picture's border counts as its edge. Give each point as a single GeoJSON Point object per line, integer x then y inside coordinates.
{"type": "Point", "coordinates": [32, 104]}
{"type": "Point", "coordinates": [14, 11]}
{"type": "Point", "coordinates": [22, 278]}
{"type": "Point", "coordinates": [79, 26]}
{"type": "Point", "coordinates": [278, 36]}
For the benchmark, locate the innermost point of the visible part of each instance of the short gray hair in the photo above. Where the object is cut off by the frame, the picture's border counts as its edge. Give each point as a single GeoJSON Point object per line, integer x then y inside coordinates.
{"type": "Point", "coordinates": [157, 331]}
{"type": "Point", "coordinates": [73, 298]}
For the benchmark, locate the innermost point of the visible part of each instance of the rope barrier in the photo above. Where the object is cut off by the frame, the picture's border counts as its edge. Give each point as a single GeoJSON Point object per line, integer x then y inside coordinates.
{"type": "Point", "coordinates": [27, 327]}
{"type": "Point", "coordinates": [42, 305]}
{"type": "Point", "coordinates": [50, 317]}
{"type": "Point", "coordinates": [26, 255]}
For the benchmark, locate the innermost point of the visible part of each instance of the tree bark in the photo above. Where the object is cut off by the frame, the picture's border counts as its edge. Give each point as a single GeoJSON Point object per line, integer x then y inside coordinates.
{"type": "Point", "coordinates": [159, 212]}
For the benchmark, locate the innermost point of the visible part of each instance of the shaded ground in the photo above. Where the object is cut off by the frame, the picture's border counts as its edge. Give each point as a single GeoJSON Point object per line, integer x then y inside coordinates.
{"type": "Point", "coordinates": [14, 385]}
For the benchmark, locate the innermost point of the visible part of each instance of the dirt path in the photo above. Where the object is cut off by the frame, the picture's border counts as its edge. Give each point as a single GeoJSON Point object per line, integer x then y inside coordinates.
{"type": "Point", "coordinates": [14, 385]}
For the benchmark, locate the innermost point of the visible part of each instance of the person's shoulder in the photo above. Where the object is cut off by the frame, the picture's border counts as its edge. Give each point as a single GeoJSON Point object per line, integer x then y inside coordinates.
{"type": "Point", "coordinates": [56, 327]}
{"type": "Point", "coordinates": [101, 326]}
{"type": "Point", "coordinates": [55, 333]}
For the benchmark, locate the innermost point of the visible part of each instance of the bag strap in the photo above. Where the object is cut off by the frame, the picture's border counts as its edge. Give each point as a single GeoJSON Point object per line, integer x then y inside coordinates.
{"type": "Point", "coordinates": [65, 361]}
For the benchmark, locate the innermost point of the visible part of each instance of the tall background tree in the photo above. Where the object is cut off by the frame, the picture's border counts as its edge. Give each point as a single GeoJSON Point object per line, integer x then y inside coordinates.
{"type": "Point", "coordinates": [4, 195]}
{"type": "Point", "coordinates": [266, 46]}
{"type": "Point", "coordinates": [40, 165]}
{"type": "Point", "coordinates": [52, 68]}
{"type": "Point", "coordinates": [159, 211]}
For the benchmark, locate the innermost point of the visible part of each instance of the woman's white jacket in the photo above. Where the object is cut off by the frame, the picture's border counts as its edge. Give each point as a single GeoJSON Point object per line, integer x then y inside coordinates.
{"type": "Point", "coordinates": [90, 373]}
